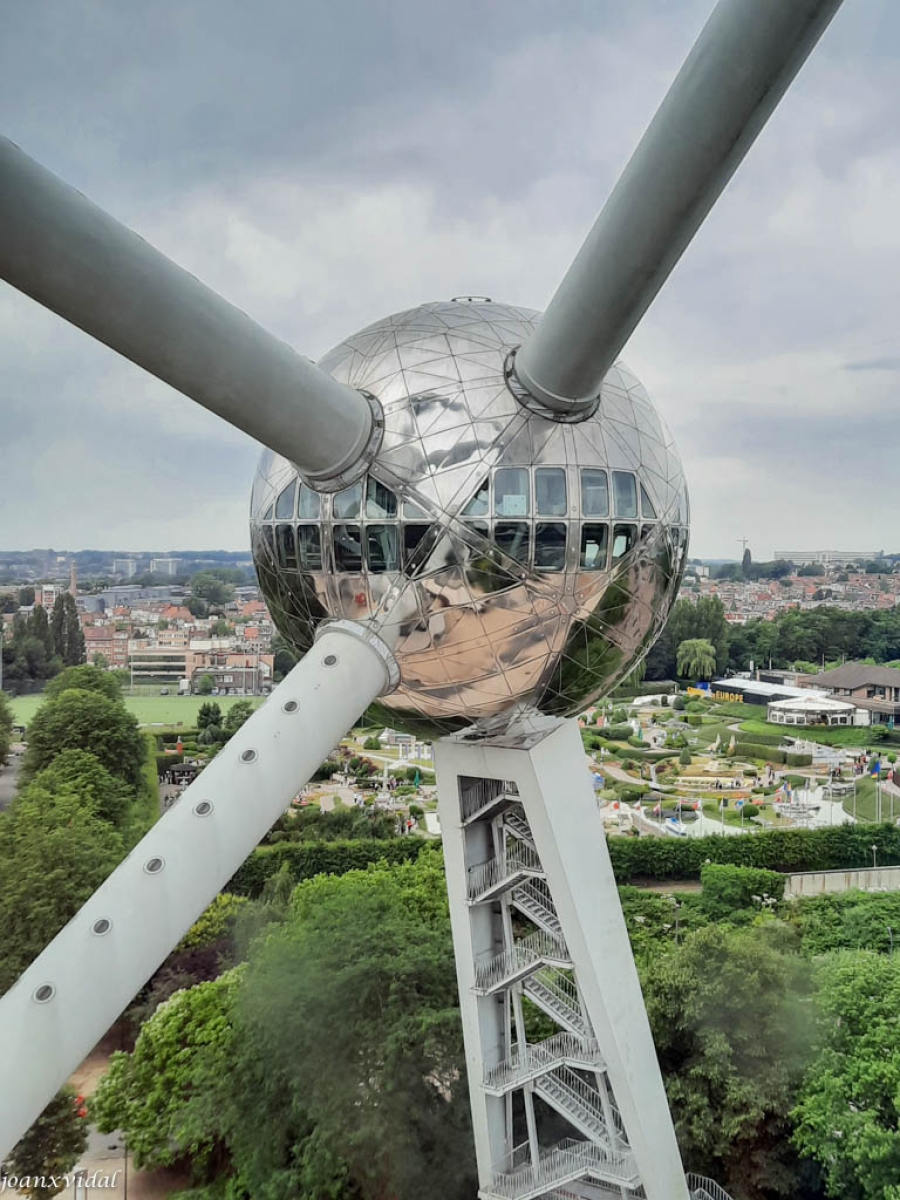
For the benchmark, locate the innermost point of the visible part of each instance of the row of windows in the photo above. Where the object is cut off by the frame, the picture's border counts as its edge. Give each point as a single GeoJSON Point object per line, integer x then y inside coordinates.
{"type": "Point", "coordinates": [378, 548]}
{"type": "Point", "coordinates": [509, 492]}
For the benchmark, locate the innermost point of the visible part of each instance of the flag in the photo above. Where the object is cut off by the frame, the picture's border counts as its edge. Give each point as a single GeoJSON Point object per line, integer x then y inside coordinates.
{"type": "Point", "coordinates": [722, 805]}
{"type": "Point", "coordinates": [658, 810]}
{"type": "Point", "coordinates": [739, 803]}
{"type": "Point", "coordinates": [417, 778]}
{"type": "Point", "coordinates": [698, 806]}
{"type": "Point", "coordinates": [637, 806]}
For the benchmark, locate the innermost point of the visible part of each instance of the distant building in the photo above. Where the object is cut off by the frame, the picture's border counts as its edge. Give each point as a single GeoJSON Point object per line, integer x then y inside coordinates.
{"type": "Point", "coordinates": [165, 566]}
{"type": "Point", "coordinates": [232, 672]}
{"type": "Point", "coordinates": [802, 558]}
{"type": "Point", "coordinates": [126, 567]}
{"type": "Point", "coordinates": [876, 689]}
{"type": "Point", "coordinates": [45, 594]}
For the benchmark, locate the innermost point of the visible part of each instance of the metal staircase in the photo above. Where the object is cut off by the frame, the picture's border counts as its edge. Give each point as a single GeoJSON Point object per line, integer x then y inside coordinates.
{"type": "Point", "coordinates": [510, 909]}
{"type": "Point", "coordinates": [532, 898]}
{"type": "Point", "coordinates": [528, 1062]}
{"type": "Point", "coordinates": [557, 996]}
{"type": "Point", "coordinates": [521, 1177]}
{"type": "Point", "coordinates": [575, 1100]}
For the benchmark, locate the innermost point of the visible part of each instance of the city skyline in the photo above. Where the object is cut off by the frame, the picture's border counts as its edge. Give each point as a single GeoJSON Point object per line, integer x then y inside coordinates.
{"type": "Point", "coordinates": [437, 169]}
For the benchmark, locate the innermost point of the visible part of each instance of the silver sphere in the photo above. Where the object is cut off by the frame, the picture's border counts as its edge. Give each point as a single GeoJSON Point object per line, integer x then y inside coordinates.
{"type": "Point", "coordinates": [535, 561]}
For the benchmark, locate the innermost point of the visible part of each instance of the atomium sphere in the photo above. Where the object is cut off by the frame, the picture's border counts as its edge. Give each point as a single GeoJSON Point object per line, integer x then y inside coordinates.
{"type": "Point", "coordinates": [535, 560]}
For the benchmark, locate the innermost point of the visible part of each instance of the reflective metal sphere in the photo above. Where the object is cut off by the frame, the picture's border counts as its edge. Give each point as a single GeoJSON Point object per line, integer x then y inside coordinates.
{"type": "Point", "coordinates": [536, 560]}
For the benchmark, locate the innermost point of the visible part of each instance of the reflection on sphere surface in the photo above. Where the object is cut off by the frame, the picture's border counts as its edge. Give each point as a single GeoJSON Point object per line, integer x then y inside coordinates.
{"type": "Point", "coordinates": [536, 560]}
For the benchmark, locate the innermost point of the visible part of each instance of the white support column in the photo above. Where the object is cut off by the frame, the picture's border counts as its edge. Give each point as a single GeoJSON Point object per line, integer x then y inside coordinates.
{"type": "Point", "coordinates": [75, 989]}
{"type": "Point", "coordinates": [555, 793]}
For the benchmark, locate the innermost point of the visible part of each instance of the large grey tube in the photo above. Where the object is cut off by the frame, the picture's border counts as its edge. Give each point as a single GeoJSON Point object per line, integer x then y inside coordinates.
{"type": "Point", "coordinates": [76, 988]}
{"type": "Point", "coordinates": [738, 70]}
{"type": "Point", "coordinates": [72, 257]}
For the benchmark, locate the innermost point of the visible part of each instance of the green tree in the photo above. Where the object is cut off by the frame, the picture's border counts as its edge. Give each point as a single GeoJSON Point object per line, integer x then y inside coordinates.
{"type": "Point", "coordinates": [240, 711]}
{"type": "Point", "coordinates": [6, 725]}
{"type": "Point", "coordinates": [165, 1095]}
{"type": "Point", "coordinates": [703, 619]}
{"type": "Point", "coordinates": [210, 590]}
{"type": "Point", "coordinates": [848, 1117]}
{"type": "Point", "coordinates": [50, 1148]}
{"type": "Point", "coordinates": [206, 685]}
{"type": "Point", "coordinates": [68, 640]}
{"type": "Point", "coordinates": [696, 659]}
{"type": "Point", "coordinates": [210, 714]}
{"type": "Point", "coordinates": [730, 1019]}
{"type": "Point", "coordinates": [82, 720]}
{"type": "Point", "coordinates": [386, 1090]}
{"type": "Point", "coordinates": [86, 678]}
{"type": "Point", "coordinates": [54, 854]}
{"type": "Point", "coordinates": [82, 775]}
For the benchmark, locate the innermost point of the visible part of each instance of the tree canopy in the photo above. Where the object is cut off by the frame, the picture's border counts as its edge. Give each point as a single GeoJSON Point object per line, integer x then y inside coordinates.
{"type": "Point", "coordinates": [848, 1117]}
{"type": "Point", "coordinates": [731, 1025]}
{"type": "Point", "coordinates": [696, 659]}
{"type": "Point", "coordinates": [54, 853]}
{"type": "Point", "coordinates": [85, 678]}
{"type": "Point", "coordinates": [79, 720]}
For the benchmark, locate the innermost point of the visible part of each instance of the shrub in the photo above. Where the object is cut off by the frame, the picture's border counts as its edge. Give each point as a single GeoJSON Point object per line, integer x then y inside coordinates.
{"type": "Point", "coordinates": [695, 706]}
{"type": "Point", "coordinates": [165, 761]}
{"type": "Point", "coordinates": [664, 701]}
{"type": "Point", "coordinates": [728, 889]}
{"type": "Point", "coordinates": [614, 733]}
{"type": "Point", "coordinates": [685, 758]}
{"type": "Point", "coordinates": [679, 704]}
{"type": "Point", "coordinates": [638, 743]}
{"type": "Point", "coordinates": [797, 760]}
{"type": "Point", "coordinates": [695, 718]}
{"type": "Point", "coordinates": [306, 859]}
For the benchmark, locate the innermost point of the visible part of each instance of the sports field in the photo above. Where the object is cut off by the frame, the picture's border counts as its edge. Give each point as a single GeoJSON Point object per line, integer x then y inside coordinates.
{"type": "Point", "coordinates": [149, 710]}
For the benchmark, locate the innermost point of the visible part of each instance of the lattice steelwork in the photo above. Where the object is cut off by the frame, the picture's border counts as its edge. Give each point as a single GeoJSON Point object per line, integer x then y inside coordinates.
{"type": "Point", "coordinates": [540, 558]}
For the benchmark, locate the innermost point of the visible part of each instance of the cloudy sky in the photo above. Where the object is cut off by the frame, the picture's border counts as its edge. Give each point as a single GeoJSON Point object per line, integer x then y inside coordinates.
{"type": "Point", "coordinates": [325, 162]}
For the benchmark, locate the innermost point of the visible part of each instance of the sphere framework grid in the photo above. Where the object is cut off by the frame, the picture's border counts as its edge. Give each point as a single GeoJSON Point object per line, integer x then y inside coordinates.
{"type": "Point", "coordinates": [534, 561]}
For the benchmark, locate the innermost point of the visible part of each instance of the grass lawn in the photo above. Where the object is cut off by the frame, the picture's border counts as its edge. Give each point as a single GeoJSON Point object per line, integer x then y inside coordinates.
{"type": "Point", "coordinates": [149, 710]}
{"type": "Point", "coordinates": [834, 736]}
{"type": "Point", "coordinates": [707, 734]}
{"type": "Point", "coordinates": [866, 802]}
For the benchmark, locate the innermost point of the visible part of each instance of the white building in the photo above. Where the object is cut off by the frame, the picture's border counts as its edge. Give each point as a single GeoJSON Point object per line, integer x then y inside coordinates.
{"type": "Point", "coordinates": [126, 567]}
{"type": "Point", "coordinates": [165, 566]}
{"type": "Point", "coordinates": [816, 709]}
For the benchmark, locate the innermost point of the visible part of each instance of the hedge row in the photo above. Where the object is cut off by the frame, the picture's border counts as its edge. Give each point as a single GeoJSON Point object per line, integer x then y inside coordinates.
{"type": "Point", "coordinates": [787, 850]}
{"type": "Point", "coordinates": [306, 859]}
{"type": "Point", "coordinates": [771, 754]}
{"type": "Point", "coordinates": [650, 687]}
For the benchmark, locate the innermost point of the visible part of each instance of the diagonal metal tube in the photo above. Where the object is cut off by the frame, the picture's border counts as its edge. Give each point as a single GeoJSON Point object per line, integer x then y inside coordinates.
{"type": "Point", "coordinates": [738, 70]}
{"type": "Point", "coordinates": [72, 257]}
{"type": "Point", "coordinates": [76, 988]}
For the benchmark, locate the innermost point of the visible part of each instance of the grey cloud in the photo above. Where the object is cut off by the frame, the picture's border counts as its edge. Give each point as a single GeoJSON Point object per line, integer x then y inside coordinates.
{"type": "Point", "coordinates": [874, 364]}
{"type": "Point", "coordinates": [324, 163]}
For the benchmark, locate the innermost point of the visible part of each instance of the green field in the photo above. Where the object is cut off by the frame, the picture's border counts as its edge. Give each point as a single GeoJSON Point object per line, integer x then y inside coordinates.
{"type": "Point", "coordinates": [825, 735]}
{"type": "Point", "coordinates": [149, 710]}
